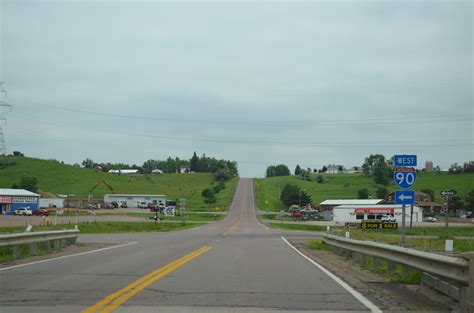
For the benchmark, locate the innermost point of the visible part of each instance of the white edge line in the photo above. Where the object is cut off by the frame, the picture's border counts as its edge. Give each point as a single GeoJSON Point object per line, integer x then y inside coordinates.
{"type": "Point", "coordinates": [66, 256]}
{"type": "Point", "coordinates": [343, 284]}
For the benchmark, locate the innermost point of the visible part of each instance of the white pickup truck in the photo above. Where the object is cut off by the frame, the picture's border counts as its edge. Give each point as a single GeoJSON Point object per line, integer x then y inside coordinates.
{"type": "Point", "coordinates": [23, 211]}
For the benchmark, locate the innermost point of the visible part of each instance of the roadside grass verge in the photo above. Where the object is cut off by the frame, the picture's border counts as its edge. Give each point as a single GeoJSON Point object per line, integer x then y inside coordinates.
{"type": "Point", "coordinates": [106, 227]}
{"type": "Point", "coordinates": [304, 227]}
{"type": "Point", "coordinates": [319, 245]}
{"type": "Point", "coordinates": [201, 217]}
{"type": "Point", "coordinates": [268, 216]}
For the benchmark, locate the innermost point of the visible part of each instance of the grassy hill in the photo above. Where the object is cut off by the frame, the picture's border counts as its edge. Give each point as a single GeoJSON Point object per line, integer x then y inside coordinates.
{"type": "Point", "coordinates": [59, 178]}
{"type": "Point", "coordinates": [333, 188]}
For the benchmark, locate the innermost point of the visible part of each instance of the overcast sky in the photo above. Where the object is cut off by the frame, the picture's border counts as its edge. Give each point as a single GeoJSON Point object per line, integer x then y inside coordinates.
{"type": "Point", "coordinates": [259, 82]}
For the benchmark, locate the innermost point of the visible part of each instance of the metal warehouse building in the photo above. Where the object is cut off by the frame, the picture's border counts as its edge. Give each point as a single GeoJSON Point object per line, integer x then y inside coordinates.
{"type": "Point", "coordinates": [12, 199]}
{"type": "Point", "coordinates": [134, 200]}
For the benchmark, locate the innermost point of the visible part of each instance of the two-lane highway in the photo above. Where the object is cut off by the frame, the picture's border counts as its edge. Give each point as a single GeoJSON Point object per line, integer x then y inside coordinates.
{"type": "Point", "coordinates": [236, 265]}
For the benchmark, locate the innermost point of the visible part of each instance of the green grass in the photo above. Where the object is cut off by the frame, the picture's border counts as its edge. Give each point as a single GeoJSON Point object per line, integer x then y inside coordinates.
{"type": "Point", "coordinates": [6, 254]}
{"type": "Point", "coordinates": [107, 227]}
{"type": "Point", "coordinates": [59, 178]}
{"type": "Point", "coordinates": [319, 245]}
{"type": "Point", "coordinates": [334, 188]}
{"type": "Point", "coordinates": [188, 217]}
{"type": "Point", "coordinates": [269, 216]}
{"type": "Point", "coordinates": [303, 227]}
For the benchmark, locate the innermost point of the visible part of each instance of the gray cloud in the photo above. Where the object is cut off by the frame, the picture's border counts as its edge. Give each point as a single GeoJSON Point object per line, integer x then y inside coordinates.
{"type": "Point", "coordinates": [238, 61]}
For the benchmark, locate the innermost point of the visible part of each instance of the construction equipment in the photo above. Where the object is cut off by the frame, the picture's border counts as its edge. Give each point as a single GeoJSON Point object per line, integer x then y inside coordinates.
{"type": "Point", "coordinates": [99, 182]}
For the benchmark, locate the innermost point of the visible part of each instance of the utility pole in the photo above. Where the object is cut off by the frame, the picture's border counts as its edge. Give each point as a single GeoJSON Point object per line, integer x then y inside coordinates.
{"type": "Point", "coordinates": [4, 107]}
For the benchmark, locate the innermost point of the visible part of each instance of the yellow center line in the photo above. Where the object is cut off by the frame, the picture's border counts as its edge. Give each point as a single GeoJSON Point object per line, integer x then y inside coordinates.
{"type": "Point", "coordinates": [236, 223]}
{"type": "Point", "coordinates": [114, 300]}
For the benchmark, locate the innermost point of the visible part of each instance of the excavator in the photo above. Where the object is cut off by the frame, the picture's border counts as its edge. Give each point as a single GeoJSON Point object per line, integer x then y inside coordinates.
{"type": "Point", "coordinates": [99, 182]}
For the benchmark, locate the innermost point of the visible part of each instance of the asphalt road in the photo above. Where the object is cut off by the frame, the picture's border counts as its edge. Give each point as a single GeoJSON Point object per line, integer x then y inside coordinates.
{"type": "Point", "coordinates": [236, 265]}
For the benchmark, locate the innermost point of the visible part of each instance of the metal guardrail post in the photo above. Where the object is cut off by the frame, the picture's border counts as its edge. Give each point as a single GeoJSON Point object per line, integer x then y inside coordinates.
{"type": "Point", "coordinates": [467, 293]}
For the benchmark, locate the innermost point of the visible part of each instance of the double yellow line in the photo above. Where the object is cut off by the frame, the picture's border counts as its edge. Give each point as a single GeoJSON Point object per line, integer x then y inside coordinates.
{"type": "Point", "coordinates": [115, 300]}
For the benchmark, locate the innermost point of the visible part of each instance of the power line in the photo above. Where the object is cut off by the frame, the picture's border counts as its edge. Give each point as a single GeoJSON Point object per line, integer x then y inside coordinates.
{"type": "Point", "coordinates": [364, 144]}
{"type": "Point", "coordinates": [3, 104]}
{"type": "Point", "coordinates": [286, 123]}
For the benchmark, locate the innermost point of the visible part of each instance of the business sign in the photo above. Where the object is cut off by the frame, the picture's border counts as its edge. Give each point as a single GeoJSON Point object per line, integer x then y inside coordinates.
{"type": "Point", "coordinates": [405, 177]}
{"type": "Point", "coordinates": [448, 193]}
{"type": "Point", "coordinates": [405, 197]}
{"type": "Point", "coordinates": [6, 199]}
{"type": "Point", "coordinates": [352, 225]}
{"type": "Point", "coordinates": [405, 160]}
{"type": "Point", "coordinates": [374, 210]}
{"type": "Point", "coordinates": [377, 225]}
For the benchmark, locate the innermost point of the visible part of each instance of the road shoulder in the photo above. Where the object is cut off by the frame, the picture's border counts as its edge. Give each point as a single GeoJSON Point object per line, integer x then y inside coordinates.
{"type": "Point", "coordinates": [388, 296]}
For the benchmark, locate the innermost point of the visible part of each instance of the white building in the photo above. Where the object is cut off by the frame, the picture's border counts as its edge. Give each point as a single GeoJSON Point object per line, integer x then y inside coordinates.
{"type": "Point", "coordinates": [157, 171]}
{"type": "Point", "coordinates": [51, 203]}
{"type": "Point", "coordinates": [134, 200]}
{"type": "Point", "coordinates": [357, 213]}
{"type": "Point", "coordinates": [123, 171]}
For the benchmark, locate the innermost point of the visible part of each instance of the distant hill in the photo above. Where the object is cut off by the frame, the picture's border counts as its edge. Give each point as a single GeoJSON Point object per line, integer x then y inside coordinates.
{"type": "Point", "coordinates": [58, 178]}
{"type": "Point", "coordinates": [345, 186]}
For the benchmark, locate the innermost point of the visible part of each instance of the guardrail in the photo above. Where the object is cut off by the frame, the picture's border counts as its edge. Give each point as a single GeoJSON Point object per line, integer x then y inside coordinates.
{"type": "Point", "coordinates": [460, 270]}
{"type": "Point", "coordinates": [51, 240]}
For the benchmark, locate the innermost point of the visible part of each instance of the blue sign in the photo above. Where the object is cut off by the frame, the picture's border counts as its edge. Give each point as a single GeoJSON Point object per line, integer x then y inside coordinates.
{"type": "Point", "coordinates": [405, 160]}
{"type": "Point", "coordinates": [405, 177]}
{"type": "Point", "coordinates": [405, 197]}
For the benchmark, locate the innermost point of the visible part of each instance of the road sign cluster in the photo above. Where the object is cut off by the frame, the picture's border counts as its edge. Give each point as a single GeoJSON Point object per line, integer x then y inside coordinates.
{"type": "Point", "coordinates": [404, 175]}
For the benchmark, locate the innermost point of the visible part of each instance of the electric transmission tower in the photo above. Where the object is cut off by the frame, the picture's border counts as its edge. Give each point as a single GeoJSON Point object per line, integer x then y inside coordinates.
{"type": "Point", "coordinates": [4, 107]}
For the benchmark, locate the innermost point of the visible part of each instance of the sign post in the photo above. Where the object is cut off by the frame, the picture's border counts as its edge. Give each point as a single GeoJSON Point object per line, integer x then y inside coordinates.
{"type": "Point", "coordinates": [182, 205]}
{"type": "Point", "coordinates": [447, 194]}
{"type": "Point", "coordinates": [404, 175]}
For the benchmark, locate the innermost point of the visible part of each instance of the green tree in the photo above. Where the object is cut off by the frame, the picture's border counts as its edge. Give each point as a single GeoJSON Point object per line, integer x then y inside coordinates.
{"type": "Point", "coordinates": [29, 183]}
{"type": "Point", "coordinates": [88, 163]}
{"type": "Point", "coordinates": [363, 193]}
{"type": "Point", "coordinates": [381, 192]}
{"type": "Point", "coordinates": [456, 203]}
{"type": "Point", "coordinates": [292, 194]}
{"type": "Point", "coordinates": [382, 175]}
{"type": "Point", "coordinates": [297, 170]}
{"type": "Point", "coordinates": [193, 163]}
{"type": "Point", "coordinates": [18, 154]}
{"type": "Point", "coordinates": [278, 170]}
{"type": "Point", "coordinates": [222, 174]}
{"type": "Point", "coordinates": [372, 162]}
{"type": "Point", "coordinates": [470, 199]}
{"type": "Point", "coordinates": [320, 179]}
{"type": "Point", "coordinates": [209, 195]}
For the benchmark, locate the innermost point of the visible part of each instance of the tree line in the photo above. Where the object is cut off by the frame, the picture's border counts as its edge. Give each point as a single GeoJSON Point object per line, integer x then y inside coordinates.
{"type": "Point", "coordinates": [223, 169]}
